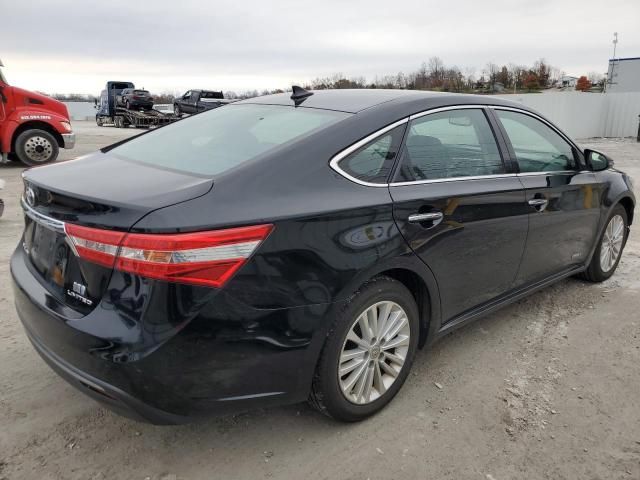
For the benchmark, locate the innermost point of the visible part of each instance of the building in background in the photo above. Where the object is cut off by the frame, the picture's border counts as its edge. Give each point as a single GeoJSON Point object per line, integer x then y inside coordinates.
{"type": "Point", "coordinates": [568, 81]}
{"type": "Point", "coordinates": [623, 75]}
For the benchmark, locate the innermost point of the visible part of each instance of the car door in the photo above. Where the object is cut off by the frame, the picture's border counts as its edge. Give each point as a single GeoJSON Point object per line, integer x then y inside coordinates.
{"type": "Point", "coordinates": [185, 105]}
{"type": "Point", "coordinates": [459, 207]}
{"type": "Point", "coordinates": [562, 196]}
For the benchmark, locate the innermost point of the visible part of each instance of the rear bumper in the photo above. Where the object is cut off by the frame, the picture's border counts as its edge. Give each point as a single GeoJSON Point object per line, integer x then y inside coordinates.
{"type": "Point", "coordinates": [106, 394]}
{"type": "Point", "coordinates": [138, 103]}
{"type": "Point", "coordinates": [167, 354]}
{"type": "Point", "coordinates": [69, 140]}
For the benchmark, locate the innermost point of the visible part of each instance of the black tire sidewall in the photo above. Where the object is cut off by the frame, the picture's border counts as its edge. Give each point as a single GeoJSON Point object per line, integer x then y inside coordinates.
{"type": "Point", "coordinates": [24, 137]}
{"type": "Point", "coordinates": [327, 384]}
{"type": "Point", "coordinates": [596, 268]}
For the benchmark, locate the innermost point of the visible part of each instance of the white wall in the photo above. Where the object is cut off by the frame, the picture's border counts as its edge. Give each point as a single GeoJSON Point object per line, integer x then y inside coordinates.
{"type": "Point", "coordinates": [584, 115]}
{"type": "Point", "coordinates": [81, 110]}
{"type": "Point", "coordinates": [580, 115]}
{"type": "Point", "coordinates": [625, 76]}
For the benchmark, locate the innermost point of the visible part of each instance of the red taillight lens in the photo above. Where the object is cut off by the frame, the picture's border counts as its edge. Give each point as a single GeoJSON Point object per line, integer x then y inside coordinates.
{"type": "Point", "coordinates": [202, 258]}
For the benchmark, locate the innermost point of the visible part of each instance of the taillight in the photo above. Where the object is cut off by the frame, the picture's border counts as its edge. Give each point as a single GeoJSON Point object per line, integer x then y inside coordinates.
{"type": "Point", "coordinates": [203, 258]}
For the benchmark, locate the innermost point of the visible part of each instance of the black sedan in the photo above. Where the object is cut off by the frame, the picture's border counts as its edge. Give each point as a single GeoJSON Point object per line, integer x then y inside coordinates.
{"type": "Point", "coordinates": [133, 99]}
{"type": "Point", "coordinates": [304, 246]}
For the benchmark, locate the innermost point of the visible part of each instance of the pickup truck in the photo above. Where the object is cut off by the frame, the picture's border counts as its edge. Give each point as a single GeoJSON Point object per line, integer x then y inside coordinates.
{"type": "Point", "coordinates": [196, 101]}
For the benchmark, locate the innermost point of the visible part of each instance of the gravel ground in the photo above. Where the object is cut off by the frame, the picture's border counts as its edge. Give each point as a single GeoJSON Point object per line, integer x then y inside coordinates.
{"type": "Point", "coordinates": [546, 388]}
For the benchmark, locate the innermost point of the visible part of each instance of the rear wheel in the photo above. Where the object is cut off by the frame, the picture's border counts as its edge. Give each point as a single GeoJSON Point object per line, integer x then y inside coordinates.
{"type": "Point", "coordinates": [609, 250]}
{"type": "Point", "coordinates": [36, 147]}
{"type": "Point", "coordinates": [368, 353]}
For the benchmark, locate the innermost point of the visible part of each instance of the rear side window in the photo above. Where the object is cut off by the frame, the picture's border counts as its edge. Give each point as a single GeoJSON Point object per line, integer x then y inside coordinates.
{"type": "Point", "coordinates": [216, 141]}
{"type": "Point", "coordinates": [450, 144]}
{"type": "Point", "coordinates": [538, 148]}
{"type": "Point", "coordinates": [214, 95]}
{"type": "Point", "coordinates": [373, 162]}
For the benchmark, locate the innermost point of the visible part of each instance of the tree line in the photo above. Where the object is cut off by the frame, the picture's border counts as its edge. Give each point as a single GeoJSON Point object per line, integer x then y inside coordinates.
{"type": "Point", "coordinates": [433, 74]}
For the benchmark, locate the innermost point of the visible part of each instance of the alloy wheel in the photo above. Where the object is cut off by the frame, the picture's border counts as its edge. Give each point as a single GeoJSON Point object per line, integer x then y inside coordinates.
{"type": "Point", "coordinates": [38, 149]}
{"type": "Point", "coordinates": [611, 243]}
{"type": "Point", "coordinates": [374, 352]}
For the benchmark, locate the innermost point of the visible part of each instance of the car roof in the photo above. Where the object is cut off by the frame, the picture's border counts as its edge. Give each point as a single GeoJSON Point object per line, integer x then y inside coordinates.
{"type": "Point", "coordinates": [357, 100]}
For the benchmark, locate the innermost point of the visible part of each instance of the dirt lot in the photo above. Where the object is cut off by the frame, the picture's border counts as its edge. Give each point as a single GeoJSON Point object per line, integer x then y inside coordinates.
{"type": "Point", "coordinates": [546, 388]}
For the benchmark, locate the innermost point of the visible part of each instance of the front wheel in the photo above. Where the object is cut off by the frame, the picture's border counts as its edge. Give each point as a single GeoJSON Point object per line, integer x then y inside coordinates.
{"type": "Point", "coordinates": [368, 352]}
{"type": "Point", "coordinates": [36, 147]}
{"type": "Point", "coordinates": [609, 250]}
{"type": "Point", "coordinates": [176, 111]}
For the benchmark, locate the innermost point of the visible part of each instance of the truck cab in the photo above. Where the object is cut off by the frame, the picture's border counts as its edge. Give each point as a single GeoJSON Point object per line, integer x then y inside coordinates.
{"type": "Point", "coordinates": [33, 127]}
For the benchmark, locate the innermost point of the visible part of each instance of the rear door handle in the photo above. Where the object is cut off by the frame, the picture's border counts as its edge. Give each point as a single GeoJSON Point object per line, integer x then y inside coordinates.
{"type": "Point", "coordinates": [435, 217]}
{"type": "Point", "coordinates": [539, 203]}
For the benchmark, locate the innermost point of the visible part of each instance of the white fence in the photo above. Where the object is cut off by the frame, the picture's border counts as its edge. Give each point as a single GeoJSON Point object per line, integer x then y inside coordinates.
{"type": "Point", "coordinates": [581, 115]}
{"type": "Point", "coordinates": [584, 115]}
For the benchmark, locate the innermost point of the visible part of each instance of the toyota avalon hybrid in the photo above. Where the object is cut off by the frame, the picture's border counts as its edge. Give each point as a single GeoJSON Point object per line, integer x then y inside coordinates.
{"type": "Point", "coordinates": [302, 246]}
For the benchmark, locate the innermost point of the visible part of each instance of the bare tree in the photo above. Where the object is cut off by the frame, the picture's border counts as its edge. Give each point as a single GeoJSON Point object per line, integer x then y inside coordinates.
{"type": "Point", "coordinates": [491, 71]}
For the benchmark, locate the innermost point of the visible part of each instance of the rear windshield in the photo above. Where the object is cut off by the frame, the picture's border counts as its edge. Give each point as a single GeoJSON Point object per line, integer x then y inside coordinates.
{"type": "Point", "coordinates": [214, 142]}
{"type": "Point", "coordinates": [216, 95]}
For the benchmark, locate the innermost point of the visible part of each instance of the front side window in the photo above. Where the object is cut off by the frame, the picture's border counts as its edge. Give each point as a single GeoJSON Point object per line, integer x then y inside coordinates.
{"type": "Point", "coordinates": [221, 139]}
{"type": "Point", "coordinates": [373, 162]}
{"type": "Point", "coordinates": [537, 147]}
{"type": "Point", "coordinates": [450, 144]}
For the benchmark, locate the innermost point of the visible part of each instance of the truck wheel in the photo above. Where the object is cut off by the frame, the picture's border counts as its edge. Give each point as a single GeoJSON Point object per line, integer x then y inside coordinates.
{"type": "Point", "coordinates": [36, 147]}
{"type": "Point", "coordinates": [176, 111]}
{"type": "Point", "coordinates": [99, 121]}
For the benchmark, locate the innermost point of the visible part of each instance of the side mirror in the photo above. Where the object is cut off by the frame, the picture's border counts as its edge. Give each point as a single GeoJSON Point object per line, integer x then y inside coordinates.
{"type": "Point", "coordinates": [597, 161]}
{"type": "Point", "coordinates": [95, 103]}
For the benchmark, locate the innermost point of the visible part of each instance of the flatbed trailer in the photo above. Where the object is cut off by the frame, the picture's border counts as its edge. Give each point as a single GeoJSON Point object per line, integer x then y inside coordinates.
{"type": "Point", "coordinates": [109, 113]}
{"type": "Point", "coordinates": [122, 118]}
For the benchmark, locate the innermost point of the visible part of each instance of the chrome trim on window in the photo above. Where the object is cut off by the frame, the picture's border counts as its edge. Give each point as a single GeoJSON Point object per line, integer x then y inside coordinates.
{"type": "Point", "coordinates": [444, 109]}
{"type": "Point", "coordinates": [550, 172]}
{"type": "Point", "coordinates": [333, 163]}
{"type": "Point", "coordinates": [453, 179]}
{"type": "Point", "coordinates": [39, 218]}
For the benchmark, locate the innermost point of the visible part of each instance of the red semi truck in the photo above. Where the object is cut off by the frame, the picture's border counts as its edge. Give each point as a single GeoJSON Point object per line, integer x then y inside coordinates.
{"type": "Point", "coordinates": [33, 127]}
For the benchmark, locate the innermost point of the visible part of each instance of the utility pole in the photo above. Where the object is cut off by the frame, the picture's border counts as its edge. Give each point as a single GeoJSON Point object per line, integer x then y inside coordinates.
{"type": "Point", "coordinates": [613, 61]}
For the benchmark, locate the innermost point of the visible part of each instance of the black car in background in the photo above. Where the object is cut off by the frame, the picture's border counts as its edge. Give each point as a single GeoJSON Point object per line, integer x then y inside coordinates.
{"type": "Point", "coordinates": [196, 101]}
{"type": "Point", "coordinates": [134, 99]}
{"type": "Point", "coordinates": [300, 247]}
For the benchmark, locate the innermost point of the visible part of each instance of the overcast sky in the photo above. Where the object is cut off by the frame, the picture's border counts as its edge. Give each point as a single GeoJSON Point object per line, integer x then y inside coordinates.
{"type": "Point", "coordinates": [66, 46]}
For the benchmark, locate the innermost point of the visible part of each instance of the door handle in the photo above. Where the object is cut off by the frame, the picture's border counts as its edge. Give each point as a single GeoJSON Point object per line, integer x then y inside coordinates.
{"type": "Point", "coordinates": [435, 217]}
{"type": "Point", "coordinates": [539, 203]}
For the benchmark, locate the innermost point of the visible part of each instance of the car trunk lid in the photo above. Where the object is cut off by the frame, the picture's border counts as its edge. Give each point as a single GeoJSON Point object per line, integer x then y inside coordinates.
{"type": "Point", "coordinates": [99, 191]}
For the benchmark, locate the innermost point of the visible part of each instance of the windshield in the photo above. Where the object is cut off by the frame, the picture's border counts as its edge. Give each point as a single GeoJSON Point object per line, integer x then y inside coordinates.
{"type": "Point", "coordinates": [214, 142]}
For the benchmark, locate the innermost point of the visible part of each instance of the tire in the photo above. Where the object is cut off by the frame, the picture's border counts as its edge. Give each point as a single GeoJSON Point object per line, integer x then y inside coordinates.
{"type": "Point", "coordinates": [176, 111]}
{"type": "Point", "coordinates": [332, 394]}
{"type": "Point", "coordinates": [127, 105]}
{"type": "Point", "coordinates": [600, 269]}
{"type": "Point", "coordinates": [36, 147]}
{"type": "Point", "coordinates": [99, 121]}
